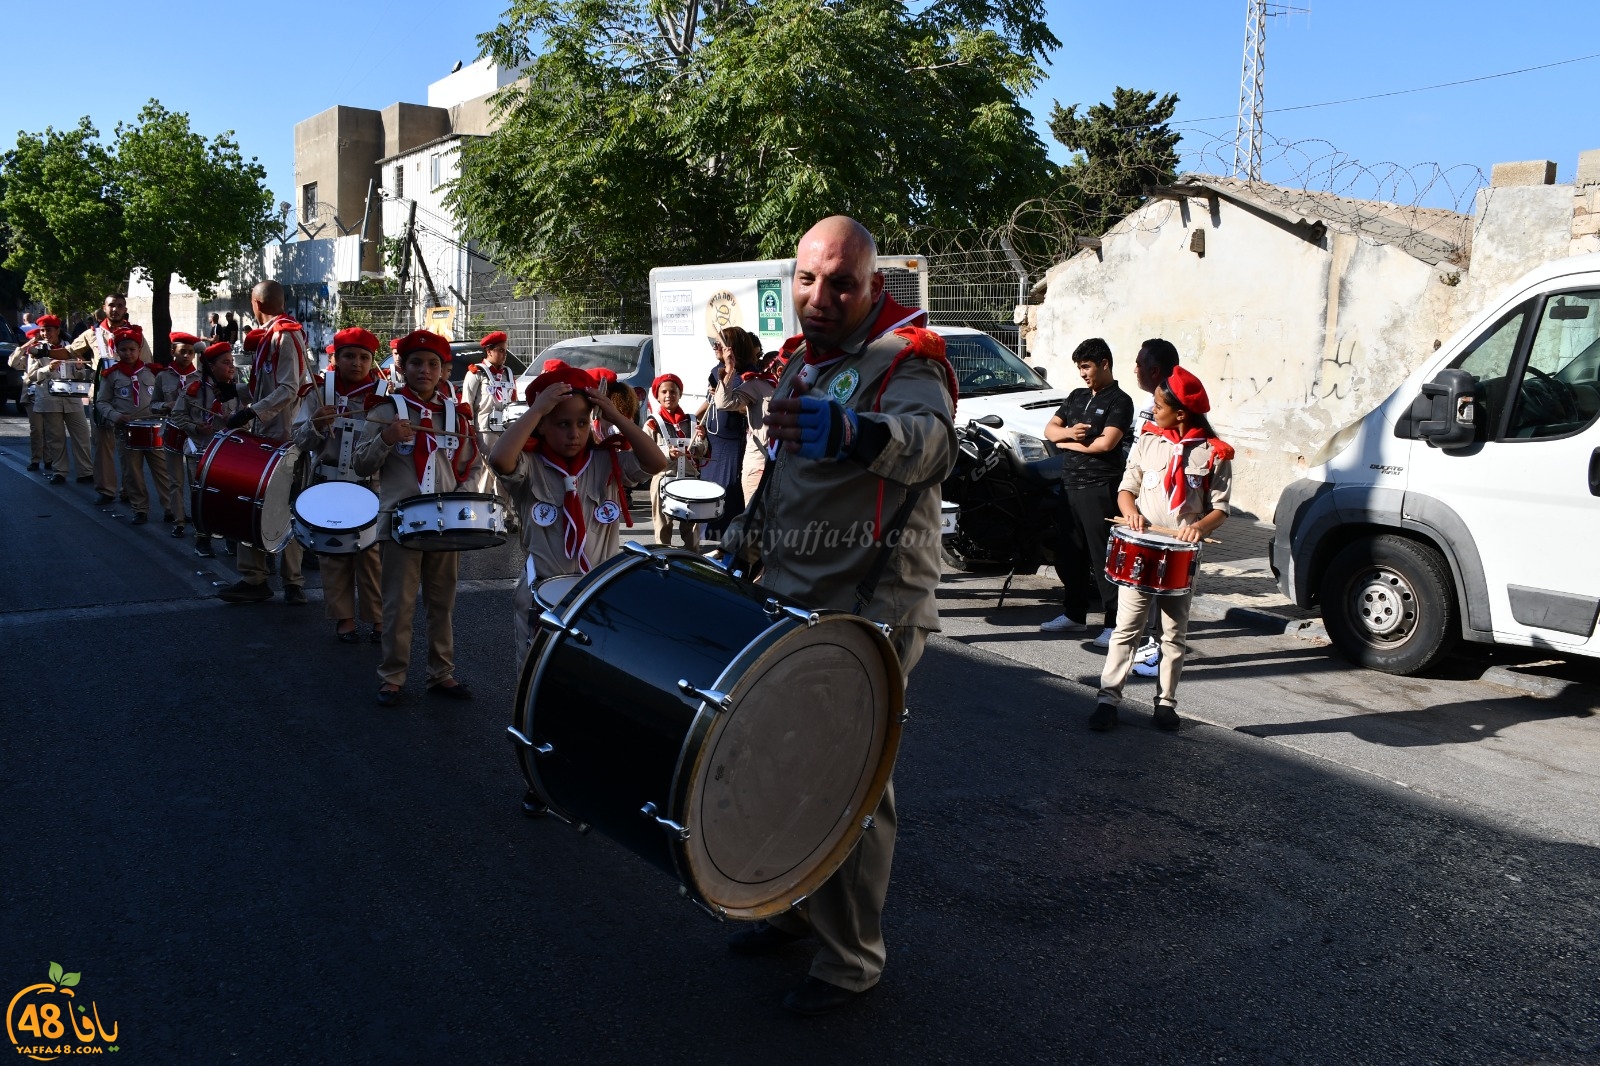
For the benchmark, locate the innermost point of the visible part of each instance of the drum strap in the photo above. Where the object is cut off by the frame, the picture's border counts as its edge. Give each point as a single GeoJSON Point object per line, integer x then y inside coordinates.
{"type": "Point", "coordinates": [447, 443]}
{"type": "Point", "coordinates": [886, 546]}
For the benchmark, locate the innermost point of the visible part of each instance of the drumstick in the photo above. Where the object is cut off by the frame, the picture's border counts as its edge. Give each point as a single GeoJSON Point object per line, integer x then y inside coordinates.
{"type": "Point", "coordinates": [1163, 530]}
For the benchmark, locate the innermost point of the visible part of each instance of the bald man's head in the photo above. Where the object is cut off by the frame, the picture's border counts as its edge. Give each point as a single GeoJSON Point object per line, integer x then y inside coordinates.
{"type": "Point", "coordinates": [836, 280]}
{"type": "Point", "coordinates": [266, 299]}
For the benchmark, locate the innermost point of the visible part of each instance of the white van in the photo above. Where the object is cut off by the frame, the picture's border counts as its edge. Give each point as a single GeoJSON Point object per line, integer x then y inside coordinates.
{"type": "Point", "coordinates": [1459, 507]}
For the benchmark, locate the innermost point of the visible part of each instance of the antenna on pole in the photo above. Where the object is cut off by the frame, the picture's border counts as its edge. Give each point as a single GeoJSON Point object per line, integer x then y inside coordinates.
{"type": "Point", "coordinates": [1252, 86]}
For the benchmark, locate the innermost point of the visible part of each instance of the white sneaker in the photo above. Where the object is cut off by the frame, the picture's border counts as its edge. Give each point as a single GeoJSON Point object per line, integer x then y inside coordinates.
{"type": "Point", "coordinates": [1104, 639]}
{"type": "Point", "coordinates": [1149, 649]}
{"type": "Point", "coordinates": [1148, 665]}
{"type": "Point", "coordinates": [1061, 624]}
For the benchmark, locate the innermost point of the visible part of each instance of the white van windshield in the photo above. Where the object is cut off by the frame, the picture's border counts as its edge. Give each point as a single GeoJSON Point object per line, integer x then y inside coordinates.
{"type": "Point", "coordinates": [985, 367]}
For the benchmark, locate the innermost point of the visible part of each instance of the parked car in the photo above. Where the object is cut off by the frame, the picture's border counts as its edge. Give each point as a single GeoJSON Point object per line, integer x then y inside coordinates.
{"type": "Point", "coordinates": [1458, 508]}
{"type": "Point", "coordinates": [10, 380]}
{"type": "Point", "coordinates": [630, 355]}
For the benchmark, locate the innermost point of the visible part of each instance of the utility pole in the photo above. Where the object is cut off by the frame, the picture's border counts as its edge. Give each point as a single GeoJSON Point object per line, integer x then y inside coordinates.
{"type": "Point", "coordinates": [1252, 86]}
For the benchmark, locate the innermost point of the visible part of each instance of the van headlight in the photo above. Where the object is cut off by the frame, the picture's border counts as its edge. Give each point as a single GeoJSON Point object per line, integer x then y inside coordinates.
{"type": "Point", "coordinates": [1031, 449]}
{"type": "Point", "coordinates": [1336, 444]}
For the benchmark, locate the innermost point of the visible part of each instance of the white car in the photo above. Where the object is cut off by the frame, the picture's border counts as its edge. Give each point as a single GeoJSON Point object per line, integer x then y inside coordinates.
{"type": "Point", "coordinates": [993, 380]}
{"type": "Point", "coordinates": [1460, 507]}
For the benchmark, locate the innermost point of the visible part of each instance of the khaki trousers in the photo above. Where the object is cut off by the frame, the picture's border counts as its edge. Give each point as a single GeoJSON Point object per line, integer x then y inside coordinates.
{"type": "Point", "coordinates": [1133, 608]}
{"type": "Point", "coordinates": [846, 913]}
{"type": "Point", "coordinates": [35, 435]}
{"type": "Point", "coordinates": [53, 432]}
{"type": "Point", "coordinates": [105, 459]}
{"type": "Point", "coordinates": [75, 426]}
{"type": "Point", "coordinates": [404, 573]}
{"type": "Point", "coordinates": [253, 564]}
{"type": "Point", "coordinates": [134, 464]}
{"type": "Point", "coordinates": [177, 491]}
{"type": "Point", "coordinates": [342, 574]}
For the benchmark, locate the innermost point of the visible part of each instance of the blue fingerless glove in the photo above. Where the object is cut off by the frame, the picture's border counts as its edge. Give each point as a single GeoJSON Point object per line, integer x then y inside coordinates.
{"type": "Point", "coordinates": [827, 429]}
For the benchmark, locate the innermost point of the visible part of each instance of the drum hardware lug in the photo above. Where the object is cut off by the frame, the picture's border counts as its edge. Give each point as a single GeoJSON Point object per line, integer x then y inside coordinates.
{"type": "Point", "coordinates": [715, 912]}
{"type": "Point", "coordinates": [550, 620]}
{"type": "Point", "coordinates": [636, 548]}
{"type": "Point", "coordinates": [662, 564]}
{"type": "Point", "coordinates": [517, 737]}
{"type": "Point", "coordinates": [905, 716]}
{"type": "Point", "coordinates": [720, 700]}
{"type": "Point", "coordinates": [533, 806]}
{"type": "Point", "coordinates": [810, 618]}
{"type": "Point", "coordinates": [795, 903]}
{"type": "Point", "coordinates": [772, 607]}
{"type": "Point", "coordinates": [886, 630]}
{"type": "Point", "coordinates": [1138, 570]}
{"type": "Point", "coordinates": [867, 822]}
{"type": "Point", "coordinates": [679, 831]}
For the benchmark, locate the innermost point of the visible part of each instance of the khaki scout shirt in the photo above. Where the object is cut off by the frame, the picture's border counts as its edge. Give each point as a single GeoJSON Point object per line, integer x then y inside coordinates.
{"type": "Point", "coordinates": [123, 396]}
{"type": "Point", "coordinates": [274, 400]}
{"type": "Point", "coordinates": [1145, 476]}
{"type": "Point", "coordinates": [479, 392]}
{"type": "Point", "coordinates": [397, 473]}
{"type": "Point", "coordinates": [537, 490]}
{"type": "Point", "coordinates": [322, 449]}
{"type": "Point", "coordinates": [170, 383]}
{"type": "Point", "coordinates": [199, 413]}
{"type": "Point", "coordinates": [35, 366]}
{"type": "Point", "coordinates": [816, 522]}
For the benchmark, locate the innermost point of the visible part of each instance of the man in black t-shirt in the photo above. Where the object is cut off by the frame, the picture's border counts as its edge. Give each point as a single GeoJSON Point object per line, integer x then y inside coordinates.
{"type": "Point", "coordinates": [1092, 429]}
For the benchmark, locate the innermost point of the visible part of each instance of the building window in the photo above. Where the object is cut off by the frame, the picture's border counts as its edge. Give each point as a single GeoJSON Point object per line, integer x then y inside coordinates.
{"type": "Point", "coordinates": [399, 179]}
{"type": "Point", "coordinates": [436, 170]}
{"type": "Point", "coordinates": [308, 202]}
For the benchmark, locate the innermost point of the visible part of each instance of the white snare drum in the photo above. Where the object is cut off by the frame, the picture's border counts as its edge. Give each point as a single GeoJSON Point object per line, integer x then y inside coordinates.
{"type": "Point", "coordinates": [692, 500]}
{"type": "Point", "coordinates": [69, 388]}
{"type": "Point", "coordinates": [336, 518]}
{"type": "Point", "coordinates": [449, 522]}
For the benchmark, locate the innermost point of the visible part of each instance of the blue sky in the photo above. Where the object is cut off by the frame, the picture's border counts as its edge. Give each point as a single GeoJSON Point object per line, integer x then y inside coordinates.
{"type": "Point", "coordinates": [229, 72]}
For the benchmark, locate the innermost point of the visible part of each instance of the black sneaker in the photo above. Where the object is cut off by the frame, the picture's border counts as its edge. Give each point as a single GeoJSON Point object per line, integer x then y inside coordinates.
{"type": "Point", "coordinates": [140, 518]}
{"type": "Point", "coordinates": [55, 479]}
{"type": "Point", "coordinates": [103, 498]}
{"type": "Point", "coordinates": [1103, 718]}
{"type": "Point", "coordinates": [1166, 717]}
{"type": "Point", "coordinates": [84, 479]}
{"type": "Point", "coordinates": [294, 595]}
{"type": "Point", "coordinates": [245, 592]}
{"type": "Point", "coordinates": [202, 548]}
{"type": "Point", "coordinates": [33, 466]}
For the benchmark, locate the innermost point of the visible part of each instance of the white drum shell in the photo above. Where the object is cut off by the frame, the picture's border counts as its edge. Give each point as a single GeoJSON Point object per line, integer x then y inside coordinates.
{"type": "Point", "coordinates": [449, 521]}
{"type": "Point", "coordinates": [692, 500]}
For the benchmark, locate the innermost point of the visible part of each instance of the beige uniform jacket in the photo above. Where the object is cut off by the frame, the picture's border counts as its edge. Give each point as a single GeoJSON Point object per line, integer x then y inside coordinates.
{"type": "Point", "coordinates": [274, 400]}
{"type": "Point", "coordinates": [170, 383]}
{"type": "Point", "coordinates": [124, 394]}
{"type": "Point", "coordinates": [749, 397]}
{"type": "Point", "coordinates": [816, 521]}
{"type": "Point", "coordinates": [669, 436]}
{"type": "Point", "coordinates": [478, 391]}
{"type": "Point", "coordinates": [35, 366]}
{"type": "Point", "coordinates": [1145, 476]}
{"type": "Point", "coordinates": [394, 467]}
{"type": "Point", "coordinates": [323, 448]}
{"type": "Point", "coordinates": [98, 347]}
{"type": "Point", "coordinates": [199, 413]}
{"type": "Point", "coordinates": [537, 489]}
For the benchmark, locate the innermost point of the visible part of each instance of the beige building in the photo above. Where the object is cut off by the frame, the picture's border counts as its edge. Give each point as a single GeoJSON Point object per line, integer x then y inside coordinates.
{"type": "Point", "coordinates": [1301, 311]}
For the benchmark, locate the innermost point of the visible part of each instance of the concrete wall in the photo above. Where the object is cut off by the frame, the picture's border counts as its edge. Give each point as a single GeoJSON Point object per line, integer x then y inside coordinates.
{"type": "Point", "coordinates": [407, 125]}
{"type": "Point", "coordinates": [477, 79]}
{"type": "Point", "coordinates": [337, 150]}
{"type": "Point", "coordinates": [1517, 228]}
{"type": "Point", "coordinates": [1292, 338]}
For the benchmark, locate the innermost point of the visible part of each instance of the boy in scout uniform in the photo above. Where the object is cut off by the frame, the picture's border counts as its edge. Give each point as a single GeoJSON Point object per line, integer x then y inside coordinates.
{"type": "Point", "coordinates": [862, 431]}
{"type": "Point", "coordinates": [203, 409]}
{"type": "Point", "coordinates": [571, 491]}
{"type": "Point", "coordinates": [97, 346]}
{"type": "Point", "coordinates": [333, 412]}
{"type": "Point", "coordinates": [171, 381]}
{"type": "Point", "coordinates": [127, 389]}
{"type": "Point", "coordinates": [431, 449]}
{"type": "Point", "coordinates": [279, 370]}
{"type": "Point", "coordinates": [489, 387]}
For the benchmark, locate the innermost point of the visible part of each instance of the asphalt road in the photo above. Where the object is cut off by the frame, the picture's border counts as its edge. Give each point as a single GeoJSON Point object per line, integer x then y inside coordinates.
{"type": "Point", "coordinates": [248, 860]}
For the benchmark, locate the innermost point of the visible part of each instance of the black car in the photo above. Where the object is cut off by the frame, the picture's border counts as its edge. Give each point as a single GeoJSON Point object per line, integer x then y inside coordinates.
{"type": "Point", "coordinates": [10, 380]}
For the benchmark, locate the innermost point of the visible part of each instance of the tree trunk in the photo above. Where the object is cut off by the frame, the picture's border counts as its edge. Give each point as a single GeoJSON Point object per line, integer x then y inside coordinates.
{"type": "Point", "coordinates": [160, 314]}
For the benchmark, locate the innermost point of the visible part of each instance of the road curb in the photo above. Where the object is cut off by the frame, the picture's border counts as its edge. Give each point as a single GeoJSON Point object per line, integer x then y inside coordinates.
{"type": "Point", "coordinates": [1216, 609]}
{"type": "Point", "coordinates": [1533, 684]}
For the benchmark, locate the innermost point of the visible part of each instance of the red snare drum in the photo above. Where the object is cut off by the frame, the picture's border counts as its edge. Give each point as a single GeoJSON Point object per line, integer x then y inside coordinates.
{"type": "Point", "coordinates": [244, 487]}
{"type": "Point", "coordinates": [1151, 562]}
{"type": "Point", "coordinates": [172, 437]}
{"type": "Point", "coordinates": [144, 434]}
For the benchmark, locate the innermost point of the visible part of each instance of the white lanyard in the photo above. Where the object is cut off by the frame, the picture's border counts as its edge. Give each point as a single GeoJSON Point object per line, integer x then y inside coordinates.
{"type": "Point", "coordinates": [449, 440]}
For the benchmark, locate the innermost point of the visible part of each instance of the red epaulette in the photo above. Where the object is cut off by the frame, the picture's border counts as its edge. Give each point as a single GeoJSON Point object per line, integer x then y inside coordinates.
{"type": "Point", "coordinates": [475, 368]}
{"type": "Point", "coordinates": [314, 383]}
{"type": "Point", "coordinates": [105, 372]}
{"type": "Point", "coordinates": [790, 346]}
{"type": "Point", "coordinates": [193, 391]}
{"type": "Point", "coordinates": [920, 344]}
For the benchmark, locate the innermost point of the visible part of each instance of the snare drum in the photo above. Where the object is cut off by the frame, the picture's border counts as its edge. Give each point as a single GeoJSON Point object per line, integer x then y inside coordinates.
{"type": "Point", "coordinates": [70, 378]}
{"type": "Point", "coordinates": [497, 421]}
{"type": "Point", "coordinates": [144, 434]}
{"type": "Point", "coordinates": [243, 489]}
{"type": "Point", "coordinates": [732, 738]}
{"type": "Point", "coordinates": [1151, 562]}
{"type": "Point", "coordinates": [173, 438]}
{"type": "Point", "coordinates": [449, 522]}
{"type": "Point", "coordinates": [692, 500]}
{"type": "Point", "coordinates": [336, 518]}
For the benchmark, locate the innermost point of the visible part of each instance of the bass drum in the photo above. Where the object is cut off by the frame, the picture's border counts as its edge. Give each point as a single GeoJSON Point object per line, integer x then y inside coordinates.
{"type": "Point", "coordinates": [243, 489]}
{"type": "Point", "coordinates": [734, 739]}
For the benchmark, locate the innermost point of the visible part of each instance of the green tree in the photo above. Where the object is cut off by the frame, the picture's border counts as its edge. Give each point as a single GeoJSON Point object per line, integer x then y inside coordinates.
{"type": "Point", "coordinates": [1121, 148]}
{"type": "Point", "coordinates": [646, 134]}
{"type": "Point", "coordinates": [64, 219]}
{"type": "Point", "coordinates": [189, 206]}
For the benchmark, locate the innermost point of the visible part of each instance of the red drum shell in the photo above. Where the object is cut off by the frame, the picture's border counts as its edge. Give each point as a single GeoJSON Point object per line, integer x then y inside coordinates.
{"type": "Point", "coordinates": [1151, 562]}
{"type": "Point", "coordinates": [243, 489]}
{"type": "Point", "coordinates": [172, 437]}
{"type": "Point", "coordinates": [144, 434]}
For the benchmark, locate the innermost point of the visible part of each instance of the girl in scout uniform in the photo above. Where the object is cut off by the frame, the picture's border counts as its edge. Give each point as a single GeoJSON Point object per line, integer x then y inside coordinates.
{"type": "Point", "coordinates": [127, 389]}
{"type": "Point", "coordinates": [430, 447]}
{"type": "Point", "coordinates": [1178, 476]}
{"type": "Point", "coordinates": [203, 408]}
{"type": "Point", "coordinates": [570, 490]}
{"type": "Point", "coordinates": [171, 380]}
{"type": "Point", "coordinates": [672, 428]}
{"type": "Point", "coordinates": [333, 412]}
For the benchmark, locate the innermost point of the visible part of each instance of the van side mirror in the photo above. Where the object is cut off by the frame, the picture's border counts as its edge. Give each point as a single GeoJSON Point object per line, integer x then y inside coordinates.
{"type": "Point", "coordinates": [1445, 414]}
{"type": "Point", "coordinates": [1042, 372]}
{"type": "Point", "coordinates": [992, 421]}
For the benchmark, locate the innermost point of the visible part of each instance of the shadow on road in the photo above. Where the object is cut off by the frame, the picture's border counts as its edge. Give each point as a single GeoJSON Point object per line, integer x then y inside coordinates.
{"type": "Point", "coordinates": [1448, 723]}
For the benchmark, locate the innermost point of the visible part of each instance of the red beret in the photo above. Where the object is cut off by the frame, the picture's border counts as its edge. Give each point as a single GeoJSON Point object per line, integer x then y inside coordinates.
{"type": "Point", "coordinates": [561, 375]}
{"type": "Point", "coordinates": [183, 338]}
{"type": "Point", "coordinates": [128, 333]}
{"type": "Point", "coordinates": [603, 374]}
{"type": "Point", "coordinates": [394, 342]}
{"type": "Point", "coordinates": [657, 383]}
{"type": "Point", "coordinates": [254, 338]}
{"type": "Point", "coordinates": [355, 337]}
{"type": "Point", "coordinates": [497, 337]}
{"type": "Point", "coordinates": [330, 349]}
{"type": "Point", "coordinates": [214, 350]}
{"type": "Point", "coordinates": [48, 320]}
{"type": "Point", "coordinates": [424, 340]}
{"type": "Point", "coordinates": [1187, 390]}
{"type": "Point", "coordinates": [554, 364]}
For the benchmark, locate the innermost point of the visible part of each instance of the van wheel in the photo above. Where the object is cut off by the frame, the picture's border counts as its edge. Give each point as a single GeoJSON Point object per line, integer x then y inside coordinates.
{"type": "Point", "coordinates": [1388, 604]}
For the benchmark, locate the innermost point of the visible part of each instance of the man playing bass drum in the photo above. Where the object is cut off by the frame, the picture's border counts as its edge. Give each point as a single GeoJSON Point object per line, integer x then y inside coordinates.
{"type": "Point", "coordinates": [862, 432]}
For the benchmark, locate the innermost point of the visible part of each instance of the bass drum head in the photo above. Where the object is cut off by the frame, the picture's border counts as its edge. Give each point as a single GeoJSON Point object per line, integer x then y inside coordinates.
{"type": "Point", "coordinates": [337, 505]}
{"type": "Point", "coordinates": [276, 515]}
{"type": "Point", "coordinates": [693, 490]}
{"type": "Point", "coordinates": [550, 593]}
{"type": "Point", "coordinates": [783, 780]}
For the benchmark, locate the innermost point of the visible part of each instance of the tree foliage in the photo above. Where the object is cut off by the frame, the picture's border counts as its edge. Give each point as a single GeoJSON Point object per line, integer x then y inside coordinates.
{"type": "Point", "coordinates": [650, 132]}
{"type": "Point", "coordinates": [1121, 147]}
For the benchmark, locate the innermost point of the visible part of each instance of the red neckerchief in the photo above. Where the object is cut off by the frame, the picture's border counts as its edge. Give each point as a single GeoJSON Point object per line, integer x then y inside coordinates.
{"type": "Point", "coordinates": [183, 375]}
{"type": "Point", "coordinates": [265, 364]}
{"type": "Point", "coordinates": [672, 419]}
{"type": "Point", "coordinates": [133, 376]}
{"type": "Point", "coordinates": [346, 392]}
{"type": "Point", "coordinates": [1176, 484]}
{"type": "Point", "coordinates": [891, 315]}
{"type": "Point", "coordinates": [571, 504]}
